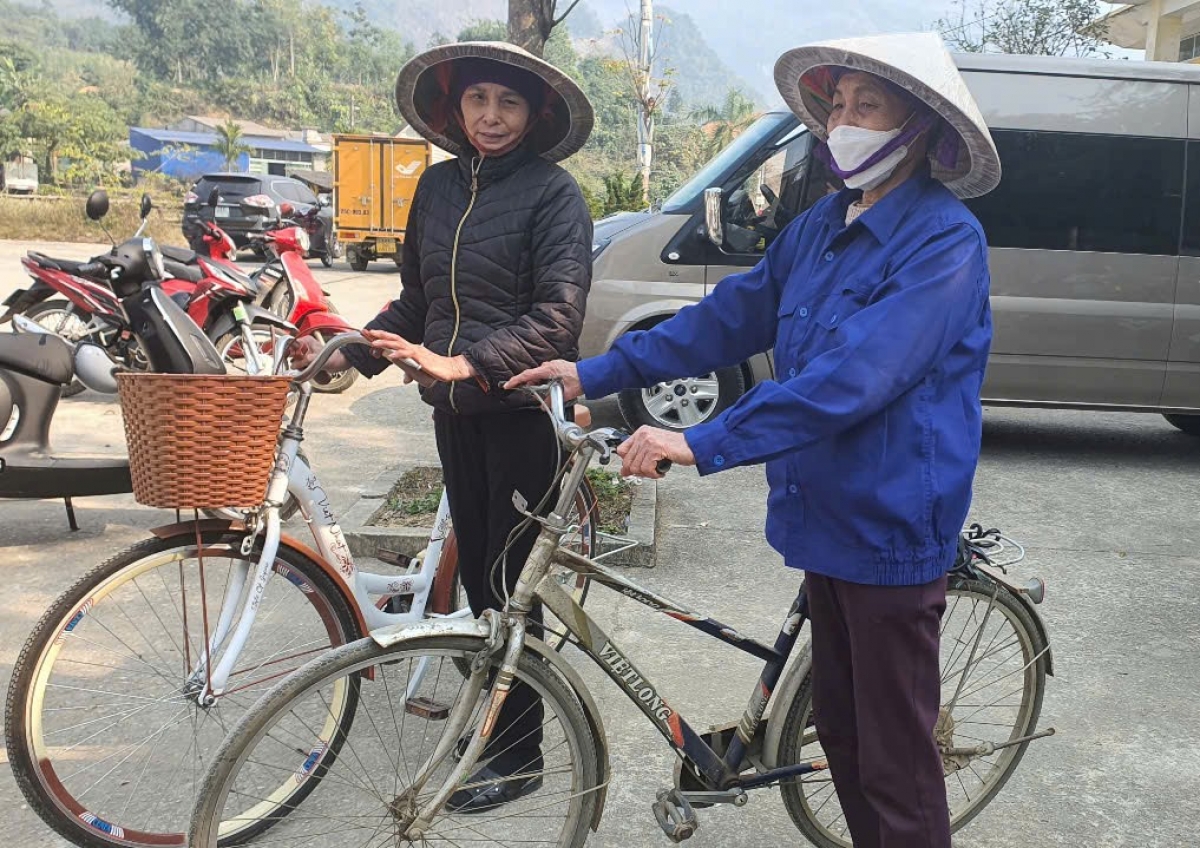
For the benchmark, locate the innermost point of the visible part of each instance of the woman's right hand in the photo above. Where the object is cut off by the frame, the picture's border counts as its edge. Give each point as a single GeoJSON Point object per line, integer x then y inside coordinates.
{"type": "Point", "coordinates": [306, 348]}
{"type": "Point", "coordinates": [559, 369]}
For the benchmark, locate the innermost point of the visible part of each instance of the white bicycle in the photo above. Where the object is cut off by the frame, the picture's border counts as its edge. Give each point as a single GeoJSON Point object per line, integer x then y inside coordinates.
{"type": "Point", "coordinates": [135, 673]}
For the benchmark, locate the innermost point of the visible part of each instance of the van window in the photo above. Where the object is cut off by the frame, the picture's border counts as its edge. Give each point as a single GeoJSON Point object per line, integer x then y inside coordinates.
{"type": "Point", "coordinates": [761, 205]}
{"type": "Point", "coordinates": [1067, 191]}
{"type": "Point", "coordinates": [1191, 214]}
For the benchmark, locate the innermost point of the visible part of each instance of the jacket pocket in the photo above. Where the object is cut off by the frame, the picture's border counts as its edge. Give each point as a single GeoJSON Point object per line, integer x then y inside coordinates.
{"type": "Point", "coordinates": [841, 304]}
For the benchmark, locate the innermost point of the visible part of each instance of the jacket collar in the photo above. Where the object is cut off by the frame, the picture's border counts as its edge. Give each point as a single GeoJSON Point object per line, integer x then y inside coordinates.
{"type": "Point", "coordinates": [882, 219]}
{"type": "Point", "coordinates": [494, 169]}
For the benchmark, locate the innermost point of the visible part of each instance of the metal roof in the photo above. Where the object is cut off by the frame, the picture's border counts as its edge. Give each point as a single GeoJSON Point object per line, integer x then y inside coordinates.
{"type": "Point", "coordinates": [180, 137]}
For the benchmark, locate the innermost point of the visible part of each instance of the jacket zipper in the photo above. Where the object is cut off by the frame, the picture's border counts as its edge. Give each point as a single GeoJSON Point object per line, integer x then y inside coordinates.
{"type": "Point", "coordinates": [476, 164]}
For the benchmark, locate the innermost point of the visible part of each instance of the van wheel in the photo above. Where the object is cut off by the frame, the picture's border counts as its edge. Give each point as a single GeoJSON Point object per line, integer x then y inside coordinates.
{"type": "Point", "coordinates": [680, 404]}
{"type": "Point", "coordinates": [1189, 424]}
{"type": "Point", "coordinates": [357, 259]}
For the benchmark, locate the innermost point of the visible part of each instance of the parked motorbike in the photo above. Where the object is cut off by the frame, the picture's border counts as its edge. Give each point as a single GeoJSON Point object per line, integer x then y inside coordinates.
{"type": "Point", "coordinates": [218, 295]}
{"type": "Point", "coordinates": [36, 365]}
{"type": "Point", "coordinates": [296, 293]}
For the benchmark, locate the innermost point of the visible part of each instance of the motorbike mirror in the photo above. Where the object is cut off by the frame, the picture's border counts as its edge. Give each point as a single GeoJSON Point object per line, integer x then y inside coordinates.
{"type": "Point", "coordinates": [147, 205]}
{"type": "Point", "coordinates": [285, 210]}
{"type": "Point", "coordinates": [324, 200]}
{"type": "Point", "coordinates": [214, 196]}
{"type": "Point", "coordinates": [97, 204]}
{"type": "Point", "coordinates": [713, 225]}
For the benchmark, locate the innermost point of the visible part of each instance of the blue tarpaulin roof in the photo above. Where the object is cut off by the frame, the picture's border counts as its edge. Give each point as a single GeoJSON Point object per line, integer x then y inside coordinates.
{"type": "Point", "coordinates": [179, 137]}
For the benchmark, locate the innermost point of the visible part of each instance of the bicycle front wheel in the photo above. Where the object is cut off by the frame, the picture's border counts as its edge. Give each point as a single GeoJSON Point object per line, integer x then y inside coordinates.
{"type": "Point", "coordinates": [105, 735]}
{"type": "Point", "coordinates": [366, 774]}
{"type": "Point", "coordinates": [993, 662]}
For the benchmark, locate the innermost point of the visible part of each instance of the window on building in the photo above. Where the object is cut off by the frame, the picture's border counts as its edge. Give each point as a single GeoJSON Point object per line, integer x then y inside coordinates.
{"type": "Point", "coordinates": [1189, 48]}
{"type": "Point", "coordinates": [1067, 191]}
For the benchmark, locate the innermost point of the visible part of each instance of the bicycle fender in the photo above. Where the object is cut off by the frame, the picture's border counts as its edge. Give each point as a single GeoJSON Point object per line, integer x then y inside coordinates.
{"type": "Point", "coordinates": [204, 525]}
{"type": "Point", "coordinates": [781, 698]}
{"type": "Point", "coordinates": [1040, 625]}
{"type": "Point", "coordinates": [396, 634]}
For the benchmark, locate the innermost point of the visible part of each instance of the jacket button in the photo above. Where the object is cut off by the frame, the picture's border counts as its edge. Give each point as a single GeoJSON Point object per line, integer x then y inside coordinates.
{"type": "Point", "coordinates": [829, 256]}
{"type": "Point", "coordinates": [718, 460]}
{"type": "Point", "coordinates": [803, 311]}
{"type": "Point", "coordinates": [793, 489]}
{"type": "Point", "coordinates": [792, 372]}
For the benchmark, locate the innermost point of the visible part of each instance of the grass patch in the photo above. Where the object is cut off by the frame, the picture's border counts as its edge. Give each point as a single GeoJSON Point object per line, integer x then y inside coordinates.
{"type": "Point", "coordinates": [614, 497]}
{"type": "Point", "coordinates": [52, 218]}
{"type": "Point", "coordinates": [413, 500]}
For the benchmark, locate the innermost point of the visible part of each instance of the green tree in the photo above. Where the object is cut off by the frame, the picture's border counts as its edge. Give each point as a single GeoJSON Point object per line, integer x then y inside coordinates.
{"type": "Point", "coordinates": [483, 30]}
{"type": "Point", "coordinates": [729, 121]}
{"type": "Point", "coordinates": [622, 194]}
{"type": "Point", "coordinates": [229, 144]}
{"type": "Point", "coordinates": [1032, 27]}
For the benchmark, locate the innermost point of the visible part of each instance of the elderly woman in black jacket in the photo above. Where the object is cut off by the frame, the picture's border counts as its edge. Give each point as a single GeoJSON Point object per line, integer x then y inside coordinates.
{"type": "Point", "coordinates": [495, 274]}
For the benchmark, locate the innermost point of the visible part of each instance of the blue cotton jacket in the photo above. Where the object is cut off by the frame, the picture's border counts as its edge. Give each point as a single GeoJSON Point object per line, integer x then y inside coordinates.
{"type": "Point", "coordinates": [871, 433]}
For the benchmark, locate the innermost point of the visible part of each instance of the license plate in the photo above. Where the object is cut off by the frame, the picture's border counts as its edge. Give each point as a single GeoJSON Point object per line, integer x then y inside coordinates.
{"type": "Point", "coordinates": [12, 298]}
{"type": "Point", "coordinates": [224, 211]}
{"type": "Point", "coordinates": [385, 246]}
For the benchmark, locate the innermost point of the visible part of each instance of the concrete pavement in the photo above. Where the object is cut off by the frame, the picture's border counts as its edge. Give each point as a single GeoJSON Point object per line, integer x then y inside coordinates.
{"type": "Point", "coordinates": [1106, 504]}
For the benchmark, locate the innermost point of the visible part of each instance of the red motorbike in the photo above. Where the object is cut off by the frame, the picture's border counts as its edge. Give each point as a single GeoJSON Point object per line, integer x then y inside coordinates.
{"type": "Point", "coordinates": [296, 293]}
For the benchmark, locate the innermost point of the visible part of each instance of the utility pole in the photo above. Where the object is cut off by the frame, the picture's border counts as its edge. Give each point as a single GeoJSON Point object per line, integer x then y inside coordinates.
{"type": "Point", "coordinates": [645, 103]}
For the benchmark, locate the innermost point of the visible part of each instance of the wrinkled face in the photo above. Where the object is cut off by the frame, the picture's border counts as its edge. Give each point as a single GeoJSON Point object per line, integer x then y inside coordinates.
{"type": "Point", "coordinates": [862, 100]}
{"type": "Point", "coordinates": [494, 117]}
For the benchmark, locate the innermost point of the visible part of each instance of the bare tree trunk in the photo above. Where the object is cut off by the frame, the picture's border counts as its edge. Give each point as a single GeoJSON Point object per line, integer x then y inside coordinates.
{"type": "Point", "coordinates": [645, 126]}
{"type": "Point", "coordinates": [525, 25]}
{"type": "Point", "coordinates": [292, 52]}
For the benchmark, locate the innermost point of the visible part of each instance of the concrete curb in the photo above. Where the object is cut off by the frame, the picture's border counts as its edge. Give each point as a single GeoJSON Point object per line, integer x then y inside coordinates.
{"type": "Point", "coordinates": [367, 540]}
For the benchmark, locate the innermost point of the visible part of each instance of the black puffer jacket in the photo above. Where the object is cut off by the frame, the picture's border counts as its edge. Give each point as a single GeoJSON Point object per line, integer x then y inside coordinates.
{"type": "Point", "coordinates": [514, 293]}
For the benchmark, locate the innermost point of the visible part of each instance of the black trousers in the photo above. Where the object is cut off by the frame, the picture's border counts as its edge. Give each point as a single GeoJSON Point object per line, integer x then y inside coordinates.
{"type": "Point", "coordinates": [485, 458]}
{"type": "Point", "coordinates": [876, 696]}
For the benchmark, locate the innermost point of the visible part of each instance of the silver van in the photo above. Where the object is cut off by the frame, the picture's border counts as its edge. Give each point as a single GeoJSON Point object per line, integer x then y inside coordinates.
{"type": "Point", "coordinates": [1094, 234]}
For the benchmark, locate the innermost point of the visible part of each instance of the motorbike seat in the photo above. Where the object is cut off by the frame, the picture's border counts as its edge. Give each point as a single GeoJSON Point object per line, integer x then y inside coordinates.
{"type": "Point", "coordinates": [69, 266]}
{"type": "Point", "coordinates": [38, 355]}
{"type": "Point", "coordinates": [180, 271]}
{"type": "Point", "coordinates": [179, 254]}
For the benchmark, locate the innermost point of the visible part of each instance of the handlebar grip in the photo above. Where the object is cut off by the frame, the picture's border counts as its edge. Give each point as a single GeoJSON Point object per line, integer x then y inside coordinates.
{"type": "Point", "coordinates": [663, 466]}
{"type": "Point", "coordinates": [93, 269]}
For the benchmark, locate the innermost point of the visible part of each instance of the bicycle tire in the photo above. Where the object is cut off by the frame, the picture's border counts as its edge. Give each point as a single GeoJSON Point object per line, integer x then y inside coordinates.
{"type": "Point", "coordinates": [292, 703]}
{"type": "Point", "coordinates": [40, 763]}
{"type": "Point", "coordinates": [798, 729]}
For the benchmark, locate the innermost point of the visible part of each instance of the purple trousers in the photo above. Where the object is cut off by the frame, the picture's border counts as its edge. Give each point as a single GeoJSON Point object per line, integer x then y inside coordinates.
{"type": "Point", "coordinates": [876, 695]}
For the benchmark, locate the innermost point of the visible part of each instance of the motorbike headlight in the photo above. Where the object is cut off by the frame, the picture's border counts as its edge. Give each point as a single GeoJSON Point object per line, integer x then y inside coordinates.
{"type": "Point", "coordinates": [303, 240]}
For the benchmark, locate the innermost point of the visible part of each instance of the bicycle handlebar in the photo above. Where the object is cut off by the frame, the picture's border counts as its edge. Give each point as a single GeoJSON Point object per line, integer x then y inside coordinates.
{"type": "Point", "coordinates": [408, 366]}
{"type": "Point", "coordinates": [572, 435]}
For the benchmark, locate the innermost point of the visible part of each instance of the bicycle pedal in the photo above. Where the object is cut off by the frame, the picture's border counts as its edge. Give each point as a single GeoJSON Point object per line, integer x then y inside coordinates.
{"type": "Point", "coordinates": [425, 708]}
{"type": "Point", "coordinates": [393, 557]}
{"type": "Point", "coordinates": [675, 815]}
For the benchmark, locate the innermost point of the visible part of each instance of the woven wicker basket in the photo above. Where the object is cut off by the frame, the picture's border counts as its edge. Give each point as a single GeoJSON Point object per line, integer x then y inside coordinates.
{"type": "Point", "coordinates": [201, 442]}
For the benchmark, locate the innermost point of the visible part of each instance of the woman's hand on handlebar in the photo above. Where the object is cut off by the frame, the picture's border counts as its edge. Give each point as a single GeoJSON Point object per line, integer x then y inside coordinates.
{"type": "Point", "coordinates": [642, 454]}
{"type": "Point", "coordinates": [306, 348]}
{"type": "Point", "coordinates": [397, 349]}
{"type": "Point", "coordinates": [565, 372]}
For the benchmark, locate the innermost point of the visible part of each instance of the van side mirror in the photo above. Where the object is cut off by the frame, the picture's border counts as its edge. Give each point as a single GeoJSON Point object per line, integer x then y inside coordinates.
{"type": "Point", "coordinates": [97, 204]}
{"type": "Point", "coordinates": [147, 205]}
{"type": "Point", "coordinates": [713, 225]}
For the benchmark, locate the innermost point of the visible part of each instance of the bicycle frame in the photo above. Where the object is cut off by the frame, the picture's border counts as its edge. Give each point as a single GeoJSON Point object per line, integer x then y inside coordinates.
{"type": "Point", "coordinates": [293, 475]}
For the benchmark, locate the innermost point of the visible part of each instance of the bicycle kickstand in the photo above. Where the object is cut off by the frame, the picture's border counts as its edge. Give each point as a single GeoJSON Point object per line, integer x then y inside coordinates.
{"type": "Point", "coordinates": [675, 815]}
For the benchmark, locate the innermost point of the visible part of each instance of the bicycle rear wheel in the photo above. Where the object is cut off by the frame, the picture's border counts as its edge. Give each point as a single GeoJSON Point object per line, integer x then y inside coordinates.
{"type": "Point", "coordinates": [993, 659]}
{"type": "Point", "coordinates": [365, 773]}
{"type": "Point", "coordinates": [105, 736]}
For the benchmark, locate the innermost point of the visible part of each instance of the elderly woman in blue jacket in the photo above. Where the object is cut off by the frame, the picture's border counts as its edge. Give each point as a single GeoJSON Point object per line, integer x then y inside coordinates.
{"type": "Point", "coordinates": [875, 302]}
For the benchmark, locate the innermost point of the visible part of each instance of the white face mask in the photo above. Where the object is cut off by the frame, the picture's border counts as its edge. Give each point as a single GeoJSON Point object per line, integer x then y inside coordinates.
{"type": "Point", "coordinates": [851, 146]}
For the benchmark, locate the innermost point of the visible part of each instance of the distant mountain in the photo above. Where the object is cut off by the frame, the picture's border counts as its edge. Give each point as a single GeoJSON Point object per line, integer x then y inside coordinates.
{"type": "Point", "coordinates": [747, 36]}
